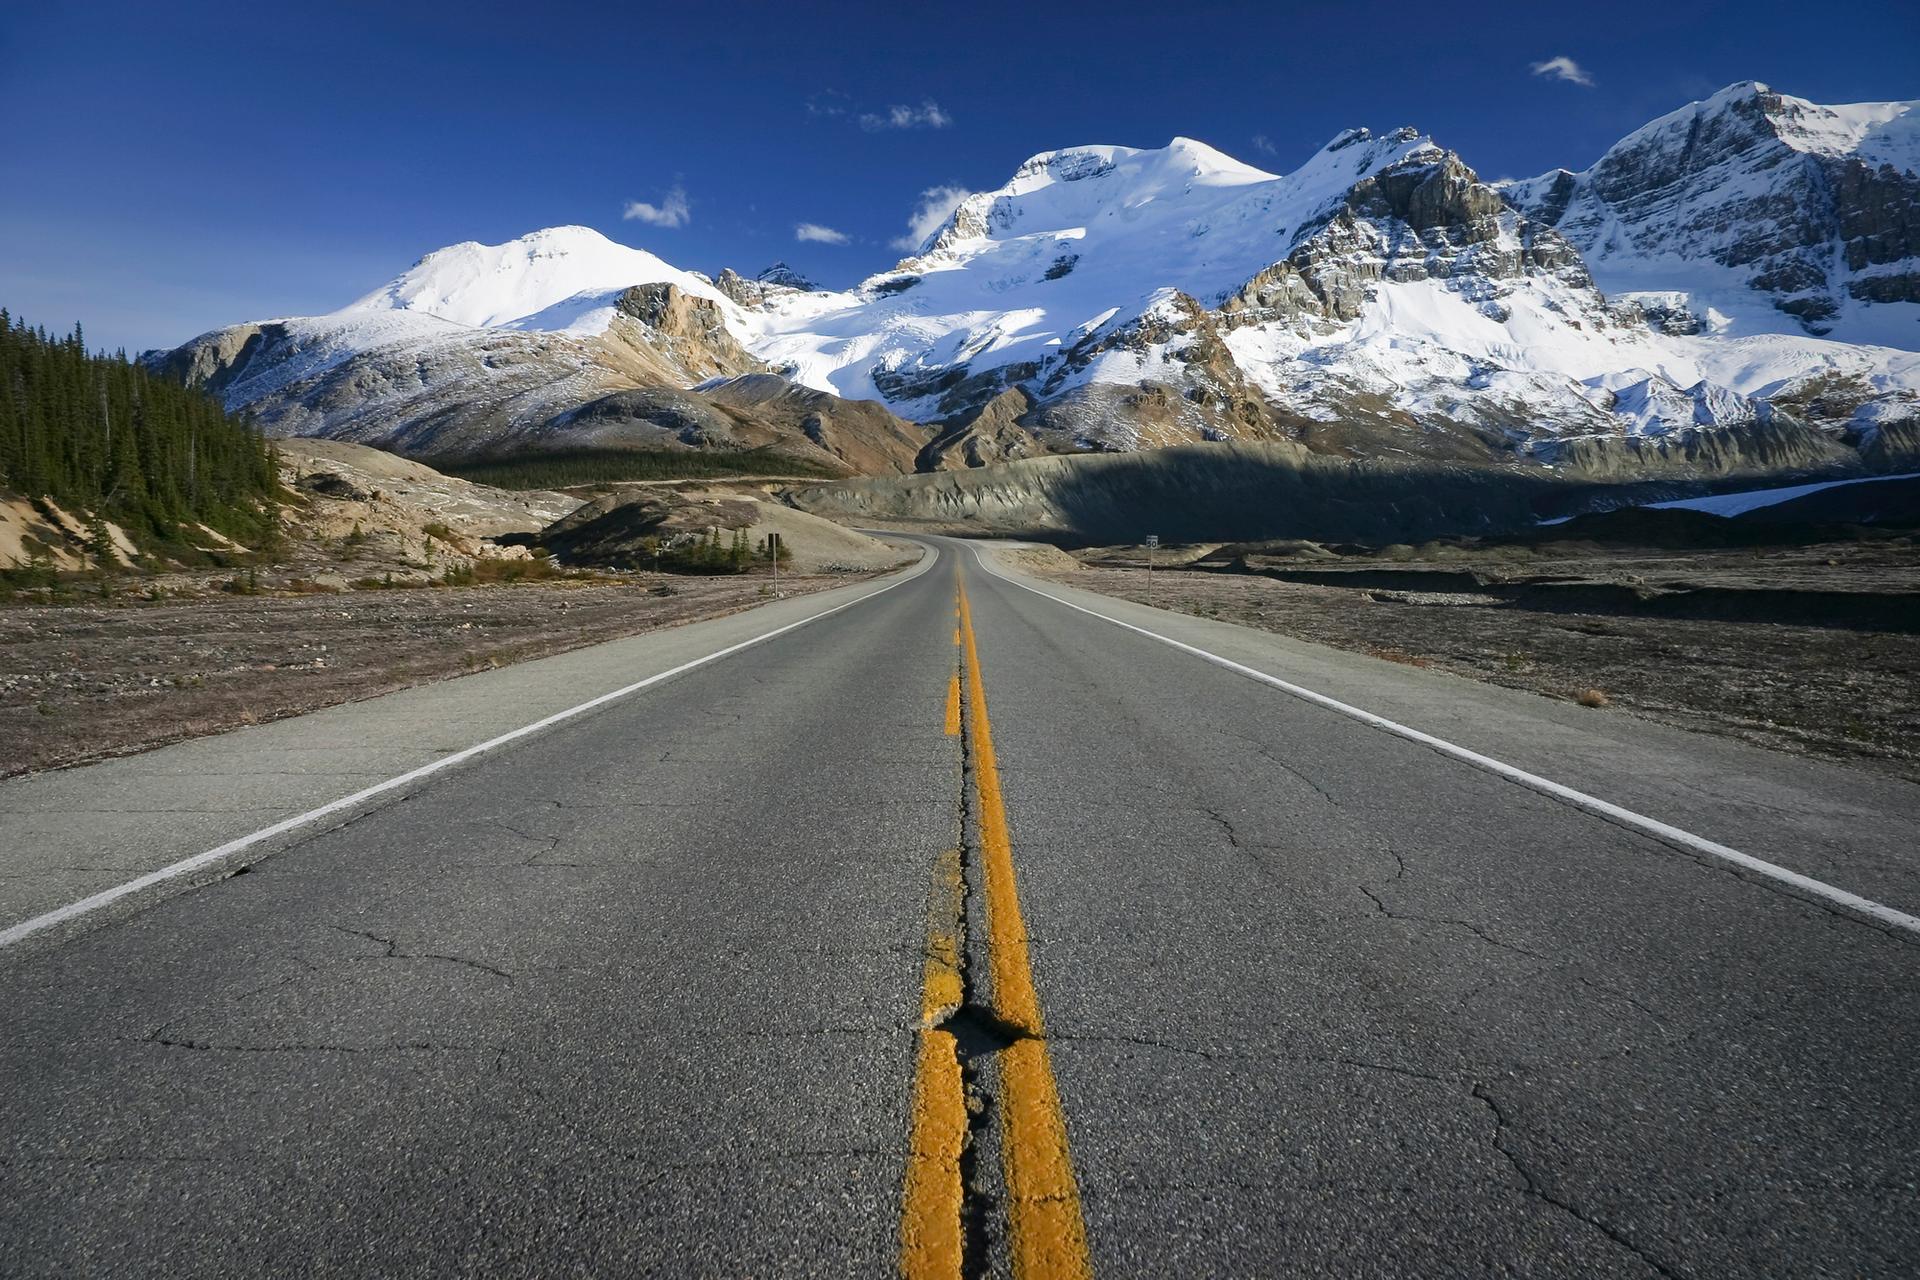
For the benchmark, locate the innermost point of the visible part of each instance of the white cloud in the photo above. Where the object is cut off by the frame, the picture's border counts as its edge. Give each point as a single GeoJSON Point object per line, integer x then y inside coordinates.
{"type": "Point", "coordinates": [815, 233]}
{"type": "Point", "coordinates": [1264, 144]}
{"type": "Point", "coordinates": [928, 115]}
{"type": "Point", "coordinates": [828, 102]}
{"type": "Point", "coordinates": [936, 206]}
{"type": "Point", "coordinates": [672, 211]}
{"type": "Point", "coordinates": [1561, 67]}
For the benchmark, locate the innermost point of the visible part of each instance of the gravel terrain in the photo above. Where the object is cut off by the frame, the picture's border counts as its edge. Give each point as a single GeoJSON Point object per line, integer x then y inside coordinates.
{"type": "Point", "coordinates": [82, 681]}
{"type": "Point", "coordinates": [1846, 693]}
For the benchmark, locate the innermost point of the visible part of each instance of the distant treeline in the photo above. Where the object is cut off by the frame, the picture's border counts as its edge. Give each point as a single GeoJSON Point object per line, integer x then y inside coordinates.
{"type": "Point", "coordinates": [566, 468]}
{"type": "Point", "coordinates": [97, 433]}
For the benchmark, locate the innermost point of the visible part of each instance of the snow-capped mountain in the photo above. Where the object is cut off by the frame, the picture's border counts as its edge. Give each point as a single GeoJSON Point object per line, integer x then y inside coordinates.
{"type": "Point", "coordinates": [1752, 201]}
{"type": "Point", "coordinates": [530, 283]}
{"type": "Point", "coordinates": [559, 337]}
{"type": "Point", "coordinates": [1378, 300]}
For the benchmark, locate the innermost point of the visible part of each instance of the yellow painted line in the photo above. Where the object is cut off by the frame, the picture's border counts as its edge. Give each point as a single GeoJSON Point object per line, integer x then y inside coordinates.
{"type": "Point", "coordinates": [930, 1231]}
{"type": "Point", "coordinates": [931, 1235]}
{"type": "Point", "coordinates": [1047, 1234]}
{"type": "Point", "coordinates": [942, 991]}
{"type": "Point", "coordinates": [953, 706]}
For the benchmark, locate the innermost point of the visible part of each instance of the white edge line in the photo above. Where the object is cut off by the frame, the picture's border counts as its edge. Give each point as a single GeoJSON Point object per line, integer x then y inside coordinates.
{"type": "Point", "coordinates": [1533, 782]}
{"type": "Point", "coordinates": [85, 906]}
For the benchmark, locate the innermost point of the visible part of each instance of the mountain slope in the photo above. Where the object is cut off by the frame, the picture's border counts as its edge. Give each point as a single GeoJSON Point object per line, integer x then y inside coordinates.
{"type": "Point", "coordinates": [1663, 309]}
{"type": "Point", "coordinates": [1378, 301]}
{"type": "Point", "coordinates": [560, 338]}
{"type": "Point", "coordinates": [480, 285]}
{"type": "Point", "coordinates": [1752, 200]}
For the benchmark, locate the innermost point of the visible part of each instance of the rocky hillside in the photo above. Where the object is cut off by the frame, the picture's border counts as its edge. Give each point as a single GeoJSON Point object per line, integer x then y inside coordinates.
{"type": "Point", "coordinates": [498, 348]}
{"type": "Point", "coordinates": [1730, 290]}
{"type": "Point", "coordinates": [625, 526]}
{"type": "Point", "coordinates": [1194, 493]}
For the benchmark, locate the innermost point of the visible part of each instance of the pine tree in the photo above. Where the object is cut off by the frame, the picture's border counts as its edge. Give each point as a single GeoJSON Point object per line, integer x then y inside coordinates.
{"type": "Point", "coordinates": [98, 434]}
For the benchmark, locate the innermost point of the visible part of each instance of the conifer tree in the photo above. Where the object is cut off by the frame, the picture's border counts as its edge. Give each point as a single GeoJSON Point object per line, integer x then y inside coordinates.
{"type": "Point", "coordinates": [99, 434]}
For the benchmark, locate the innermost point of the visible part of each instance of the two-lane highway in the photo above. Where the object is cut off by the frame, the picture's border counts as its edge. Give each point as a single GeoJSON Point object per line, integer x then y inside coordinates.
{"type": "Point", "coordinates": [962, 931]}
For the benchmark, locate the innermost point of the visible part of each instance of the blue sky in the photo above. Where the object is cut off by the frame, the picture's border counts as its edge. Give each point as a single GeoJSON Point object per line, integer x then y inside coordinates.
{"type": "Point", "coordinates": [170, 168]}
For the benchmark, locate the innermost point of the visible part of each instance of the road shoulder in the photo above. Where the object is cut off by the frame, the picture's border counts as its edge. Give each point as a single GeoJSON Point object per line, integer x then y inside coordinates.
{"type": "Point", "coordinates": [1853, 827]}
{"type": "Point", "coordinates": [78, 832]}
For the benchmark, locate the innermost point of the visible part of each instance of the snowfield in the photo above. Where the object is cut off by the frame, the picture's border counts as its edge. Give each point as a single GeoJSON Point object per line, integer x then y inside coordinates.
{"type": "Point", "coordinates": [1733, 504]}
{"type": "Point", "coordinates": [560, 268]}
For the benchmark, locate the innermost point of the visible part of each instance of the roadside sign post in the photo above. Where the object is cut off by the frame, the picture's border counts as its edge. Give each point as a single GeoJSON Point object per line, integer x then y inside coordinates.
{"type": "Point", "coordinates": [773, 554]}
{"type": "Point", "coordinates": [1153, 540]}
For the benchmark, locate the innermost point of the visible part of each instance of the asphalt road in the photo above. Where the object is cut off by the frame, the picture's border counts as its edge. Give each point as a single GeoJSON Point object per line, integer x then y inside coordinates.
{"type": "Point", "coordinates": [1244, 986]}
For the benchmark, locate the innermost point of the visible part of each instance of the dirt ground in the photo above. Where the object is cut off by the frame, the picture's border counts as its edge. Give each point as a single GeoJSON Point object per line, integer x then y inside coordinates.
{"type": "Point", "coordinates": [83, 680]}
{"type": "Point", "coordinates": [1843, 693]}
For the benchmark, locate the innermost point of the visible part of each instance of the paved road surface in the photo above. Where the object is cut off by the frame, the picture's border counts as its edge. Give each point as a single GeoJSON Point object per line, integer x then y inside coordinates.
{"type": "Point", "coordinates": [692, 984]}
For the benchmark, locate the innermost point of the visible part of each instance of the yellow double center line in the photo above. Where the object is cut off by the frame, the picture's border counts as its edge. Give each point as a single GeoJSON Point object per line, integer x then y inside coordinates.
{"type": "Point", "coordinates": [1046, 1233]}
{"type": "Point", "coordinates": [931, 1235]}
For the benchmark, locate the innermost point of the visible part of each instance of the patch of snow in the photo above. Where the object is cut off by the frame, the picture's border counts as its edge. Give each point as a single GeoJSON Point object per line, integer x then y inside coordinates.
{"type": "Point", "coordinates": [1733, 504]}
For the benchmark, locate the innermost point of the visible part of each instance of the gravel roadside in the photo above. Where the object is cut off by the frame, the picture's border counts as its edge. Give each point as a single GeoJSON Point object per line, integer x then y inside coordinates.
{"type": "Point", "coordinates": [1841, 694]}
{"type": "Point", "coordinates": [83, 681]}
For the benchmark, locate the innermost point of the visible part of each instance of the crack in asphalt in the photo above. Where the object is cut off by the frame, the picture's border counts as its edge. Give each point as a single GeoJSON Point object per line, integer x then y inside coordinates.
{"type": "Point", "coordinates": [1248, 850]}
{"type": "Point", "coordinates": [1233, 837]}
{"type": "Point", "coordinates": [1547, 968]}
{"type": "Point", "coordinates": [552, 842]}
{"type": "Point", "coordinates": [1217, 1054]}
{"type": "Point", "coordinates": [1531, 1186]}
{"type": "Point", "coordinates": [296, 1046]}
{"type": "Point", "coordinates": [395, 953]}
{"type": "Point", "coordinates": [1266, 753]}
{"type": "Point", "coordinates": [978, 1035]}
{"type": "Point", "coordinates": [1380, 905]}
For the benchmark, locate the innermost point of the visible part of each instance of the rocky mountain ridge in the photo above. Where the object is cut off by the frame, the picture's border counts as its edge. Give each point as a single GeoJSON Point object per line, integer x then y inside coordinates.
{"type": "Point", "coordinates": [1680, 305]}
{"type": "Point", "coordinates": [1810, 209]}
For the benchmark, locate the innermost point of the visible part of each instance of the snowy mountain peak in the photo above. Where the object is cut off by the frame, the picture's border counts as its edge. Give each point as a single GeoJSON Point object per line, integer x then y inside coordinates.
{"type": "Point", "coordinates": [784, 276]}
{"type": "Point", "coordinates": [1750, 113]}
{"type": "Point", "coordinates": [1093, 196]}
{"type": "Point", "coordinates": [1768, 211]}
{"type": "Point", "coordinates": [1876, 133]}
{"type": "Point", "coordinates": [498, 284]}
{"type": "Point", "coordinates": [1377, 298]}
{"type": "Point", "coordinates": [1182, 159]}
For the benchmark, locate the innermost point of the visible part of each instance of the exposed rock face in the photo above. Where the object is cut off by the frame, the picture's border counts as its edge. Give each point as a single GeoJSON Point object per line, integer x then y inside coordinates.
{"type": "Point", "coordinates": [214, 359]}
{"type": "Point", "coordinates": [1877, 211]}
{"type": "Point", "coordinates": [860, 434]}
{"type": "Point", "coordinates": [622, 529]}
{"type": "Point", "coordinates": [1894, 446]}
{"type": "Point", "coordinates": [775, 281]}
{"type": "Point", "coordinates": [1811, 205]}
{"type": "Point", "coordinates": [689, 334]}
{"type": "Point", "coordinates": [742, 290]}
{"type": "Point", "coordinates": [656, 416]}
{"type": "Point", "coordinates": [1749, 449]}
{"type": "Point", "coordinates": [994, 434]}
{"type": "Point", "coordinates": [782, 276]}
{"type": "Point", "coordinates": [1188, 389]}
{"type": "Point", "coordinates": [1427, 218]}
